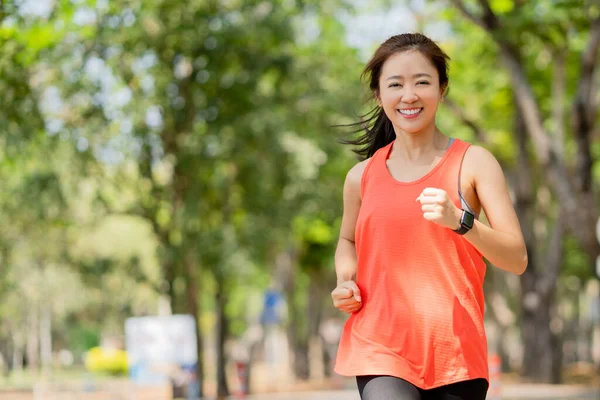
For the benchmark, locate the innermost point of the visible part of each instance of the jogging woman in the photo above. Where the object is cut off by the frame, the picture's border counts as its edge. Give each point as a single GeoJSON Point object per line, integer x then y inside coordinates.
{"type": "Point", "coordinates": [409, 260]}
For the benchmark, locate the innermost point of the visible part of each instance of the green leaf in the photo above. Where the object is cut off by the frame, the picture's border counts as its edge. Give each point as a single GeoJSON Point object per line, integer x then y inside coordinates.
{"type": "Point", "coordinates": [502, 6]}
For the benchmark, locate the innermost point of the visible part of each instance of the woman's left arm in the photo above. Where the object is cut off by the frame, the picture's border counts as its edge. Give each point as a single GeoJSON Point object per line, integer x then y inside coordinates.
{"type": "Point", "coordinates": [502, 242]}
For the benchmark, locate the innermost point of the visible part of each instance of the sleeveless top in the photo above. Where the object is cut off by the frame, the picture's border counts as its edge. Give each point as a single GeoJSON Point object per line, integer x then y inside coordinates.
{"type": "Point", "coordinates": [421, 284]}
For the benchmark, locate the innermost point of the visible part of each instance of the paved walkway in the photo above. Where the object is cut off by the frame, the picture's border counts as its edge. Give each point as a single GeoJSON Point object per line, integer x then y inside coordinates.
{"type": "Point", "coordinates": [550, 392]}
{"type": "Point", "coordinates": [509, 392]}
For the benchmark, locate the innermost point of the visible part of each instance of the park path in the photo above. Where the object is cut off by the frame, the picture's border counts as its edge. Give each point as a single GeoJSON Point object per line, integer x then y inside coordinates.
{"type": "Point", "coordinates": [509, 392]}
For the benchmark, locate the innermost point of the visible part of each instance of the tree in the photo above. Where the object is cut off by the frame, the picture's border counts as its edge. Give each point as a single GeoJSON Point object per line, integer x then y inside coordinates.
{"type": "Point", "coordinates": [550, 160]}
{"type": "Point", "coordinates": [554, 35]}
{"type": "Point", "coordinates": [205, 132]}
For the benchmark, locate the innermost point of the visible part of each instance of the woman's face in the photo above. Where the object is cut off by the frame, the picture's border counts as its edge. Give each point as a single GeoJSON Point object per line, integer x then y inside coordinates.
{"type": "Point", "coordinates": [409, 91]}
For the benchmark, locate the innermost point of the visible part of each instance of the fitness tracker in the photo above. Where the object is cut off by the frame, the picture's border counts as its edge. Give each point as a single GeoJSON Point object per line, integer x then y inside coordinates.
{"type": "Point", "coordinates": [466, 222]}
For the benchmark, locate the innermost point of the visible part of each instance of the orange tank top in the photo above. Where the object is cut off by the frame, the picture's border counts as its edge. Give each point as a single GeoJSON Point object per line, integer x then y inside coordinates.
{"type": "Point", "coordinates": [421, 284]}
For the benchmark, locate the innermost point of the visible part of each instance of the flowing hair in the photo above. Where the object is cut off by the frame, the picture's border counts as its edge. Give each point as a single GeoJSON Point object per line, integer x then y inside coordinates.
{"type": "Point", "coordinates": [377, 128]}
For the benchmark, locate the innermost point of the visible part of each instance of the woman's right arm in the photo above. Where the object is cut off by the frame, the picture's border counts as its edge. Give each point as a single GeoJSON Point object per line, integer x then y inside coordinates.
{"type": "Point", "coordinates": [346, 295]}
{"type": "Point", "coordinates": [345, 254]}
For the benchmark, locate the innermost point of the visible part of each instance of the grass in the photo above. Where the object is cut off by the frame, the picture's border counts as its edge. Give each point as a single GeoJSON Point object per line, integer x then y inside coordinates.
{"type": "Point", "coordinates": [25, 380]}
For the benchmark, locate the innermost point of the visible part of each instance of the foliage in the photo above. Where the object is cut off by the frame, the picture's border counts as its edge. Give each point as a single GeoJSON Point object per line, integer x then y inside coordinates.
{"type": "Point", "coordinates": [160, 150]}
{"type": "Point", "coordinates": [107, 361]}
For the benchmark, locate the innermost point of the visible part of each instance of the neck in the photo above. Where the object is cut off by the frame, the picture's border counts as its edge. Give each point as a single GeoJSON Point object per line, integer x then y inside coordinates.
{"type": "Point", "coordinates": [415, 145]}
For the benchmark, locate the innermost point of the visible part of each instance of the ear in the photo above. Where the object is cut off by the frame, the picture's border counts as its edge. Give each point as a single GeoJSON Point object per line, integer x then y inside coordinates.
{"type": "Point", "coordinates": [378, 98]}
{"type": "Point", "coordinates": [443, 91]}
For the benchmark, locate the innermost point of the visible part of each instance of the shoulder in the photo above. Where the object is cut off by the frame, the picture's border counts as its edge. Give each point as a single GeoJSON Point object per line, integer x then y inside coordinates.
{"type": "Point", "coordinates": [480, 162]}
{"type": "Point", "coordinates": [479, 154]}
{"type": "Point", "coordinates": [354, 175]}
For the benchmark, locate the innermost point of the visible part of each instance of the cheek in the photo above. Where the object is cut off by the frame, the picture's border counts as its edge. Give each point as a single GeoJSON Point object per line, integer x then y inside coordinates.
{"type": "Point", "coordinates": [431, 103]}
{"type": "Point", "coordinates": [431, 97]}
{"type": "Point", "coordinates": [389, 106]}
{"type": "Point", "coordinates": [390, 95]}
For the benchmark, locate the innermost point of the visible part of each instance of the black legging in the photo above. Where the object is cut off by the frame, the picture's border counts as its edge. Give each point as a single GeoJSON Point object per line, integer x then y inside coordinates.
{"type": "Point", "coordinates": [381, 387]}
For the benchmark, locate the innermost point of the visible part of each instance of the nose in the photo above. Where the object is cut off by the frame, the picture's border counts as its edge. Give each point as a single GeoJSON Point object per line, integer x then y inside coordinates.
{"type": "Point", "coordinates": [409, 95]}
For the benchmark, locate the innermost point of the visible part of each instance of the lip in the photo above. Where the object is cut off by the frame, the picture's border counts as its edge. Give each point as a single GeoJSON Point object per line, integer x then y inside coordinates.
{"type": "Point", "coordinates": [410, 116]}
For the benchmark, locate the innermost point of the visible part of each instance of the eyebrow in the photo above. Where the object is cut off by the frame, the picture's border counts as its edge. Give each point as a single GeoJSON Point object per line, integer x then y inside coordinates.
{"type": "Point", "coordinates": [414, 76]}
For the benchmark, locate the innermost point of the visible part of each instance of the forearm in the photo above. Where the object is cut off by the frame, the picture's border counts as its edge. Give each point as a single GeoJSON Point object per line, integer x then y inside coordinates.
{"type": "Point", "coordinates": [503, 250]}
{"type": "Point", "coordinates": [345, 260]}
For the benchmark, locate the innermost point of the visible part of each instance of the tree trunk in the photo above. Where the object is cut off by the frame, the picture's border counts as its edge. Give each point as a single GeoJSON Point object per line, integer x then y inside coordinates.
{"type": "Point", "coordinates": [192, 309]}
{"type": "Point", "coordinates": [537, 283]}
{"type": "Point", "coordinates": [252, 352]}
{"type": "Point", "coordinates": [298, 333]}
{"type": "Point", "coordinates": [33, 338]}
{"type": "Point", "coordinates": [46, 336]}
{"type": "Point", "coordinates": [301, 359]}
{"type": "Point", "coordinates": [538, 360]}
{"type": "Point", "coordinates": [495, 287]}
{"type": "Point", "coordinates": [174, 269]}
{"type": "Point", "coordinates": [222, 333]}
{"type": "Point", "coordinates": [542, 334]}
{"type": "Point", "coordinates": [299, 339]}
{"type": "Point", "coordinates": [18, 346]}
{"type": "Point", "coordinates": [316, 291]}
{"type": "Point", "coordinates": [286, 273]}
{"type": "Point", "coordinates": [6, 348]}
{"type": "Point", "coordinates": [536, 335]}
{"type": "Point", "coordinates": [305, 324]}
{"type": "Point", "coordinates": [17, 357]}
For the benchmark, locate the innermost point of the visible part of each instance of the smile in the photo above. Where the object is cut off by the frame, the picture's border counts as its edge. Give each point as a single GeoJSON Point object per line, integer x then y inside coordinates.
{"type": "Point", "coordinates": [410, 112]}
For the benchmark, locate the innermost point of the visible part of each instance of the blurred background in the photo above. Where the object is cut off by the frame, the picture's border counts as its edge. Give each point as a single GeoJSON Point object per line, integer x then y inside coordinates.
{"type": "Point", "coordinates": [171, 186]}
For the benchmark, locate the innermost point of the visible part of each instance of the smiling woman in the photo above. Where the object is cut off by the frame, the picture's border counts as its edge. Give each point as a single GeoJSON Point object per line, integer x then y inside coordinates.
{"type": "Point", "coordinates": [413, 96]}
{"type": "Point", "coordinates": [409, 260]}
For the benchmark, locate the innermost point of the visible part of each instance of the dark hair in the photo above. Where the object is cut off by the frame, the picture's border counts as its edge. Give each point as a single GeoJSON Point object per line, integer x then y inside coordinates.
{"type": "Point", "coordinates": [378, 129]}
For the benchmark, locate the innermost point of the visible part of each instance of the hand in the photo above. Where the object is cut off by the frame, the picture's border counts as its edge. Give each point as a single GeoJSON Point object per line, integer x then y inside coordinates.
{"type": "Point", "coordinates": [437, 207]}
{"type": "Point", "coordinates": [346, 297]}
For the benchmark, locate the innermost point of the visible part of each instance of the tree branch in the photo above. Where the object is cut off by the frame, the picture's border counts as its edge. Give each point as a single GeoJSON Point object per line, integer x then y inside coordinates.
{"type": "Point", "coordinates": [524, 183]}
{"type": "Point", "coordinates": [526, 100]}
{"type": "Point", "coordinates": [554, 169]}
{"type": "Point", "coordinates": [469, 15]}
{"type": "Point", "coordinates": [2, 11]}
{"type": "Point", "coordinates": [489, 18]}
{"type": "Point", "coordinates": [559, 87]}
{"type": "Point", "coordinates": [584, 107]}
{"type": "Point", "coordinates": [589, 63]}
{"type": "Point", "coordinates": [512, 59]}
{"type": "Point", "coordinates": [519, 3]}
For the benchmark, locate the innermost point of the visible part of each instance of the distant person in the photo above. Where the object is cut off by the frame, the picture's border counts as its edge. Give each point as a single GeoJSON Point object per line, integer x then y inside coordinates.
{"type": "Point", "coordinates": [409, 260]}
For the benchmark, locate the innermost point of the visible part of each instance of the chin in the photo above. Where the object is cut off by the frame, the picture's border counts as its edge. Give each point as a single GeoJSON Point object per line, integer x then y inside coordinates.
{"type": "Point", "coordinates": [411, 129]}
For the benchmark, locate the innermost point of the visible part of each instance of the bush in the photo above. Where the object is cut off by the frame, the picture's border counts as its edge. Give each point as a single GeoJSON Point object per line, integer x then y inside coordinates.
{"type": "Point", "coordinates": [107, 361]}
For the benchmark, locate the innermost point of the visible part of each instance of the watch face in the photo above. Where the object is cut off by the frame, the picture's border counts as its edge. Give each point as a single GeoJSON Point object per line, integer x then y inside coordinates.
{"type": "Point", "coordinates": [467, 219]}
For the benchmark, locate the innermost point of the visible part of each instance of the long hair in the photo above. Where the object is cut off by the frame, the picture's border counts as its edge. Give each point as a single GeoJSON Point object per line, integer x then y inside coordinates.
{"type": "Point", "coordinates": [377, 128]}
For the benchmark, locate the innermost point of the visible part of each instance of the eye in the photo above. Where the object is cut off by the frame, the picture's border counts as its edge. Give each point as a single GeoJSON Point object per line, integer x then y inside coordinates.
{"type": "Point", "coordinates": [395, 85]}
{"type": "Point", "coordinates": [422, 83]}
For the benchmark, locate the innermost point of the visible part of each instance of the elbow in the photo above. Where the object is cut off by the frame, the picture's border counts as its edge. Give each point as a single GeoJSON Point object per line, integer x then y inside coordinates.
{"type": "Point", "coordinates": [521, 264]}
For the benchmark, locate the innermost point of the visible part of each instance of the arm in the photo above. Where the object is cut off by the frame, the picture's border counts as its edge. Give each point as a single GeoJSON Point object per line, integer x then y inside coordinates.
{"type": "Point", "coordinates": [345, 254]}
{"type": "Point", "coordinates": [502, 242]}
{"type": "Point", "coordinates": [346, 296]}
{"type": "Point", "coordinates": [345, 260]}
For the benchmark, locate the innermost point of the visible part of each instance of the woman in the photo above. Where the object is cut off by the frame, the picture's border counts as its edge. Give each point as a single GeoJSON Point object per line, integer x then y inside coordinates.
{"type": "Point", "coordinates": [409, 260]}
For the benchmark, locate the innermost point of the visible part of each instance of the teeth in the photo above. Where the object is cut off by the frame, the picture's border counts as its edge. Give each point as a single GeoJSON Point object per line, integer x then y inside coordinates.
{"type": "Point", "coordinates": [410, 112]}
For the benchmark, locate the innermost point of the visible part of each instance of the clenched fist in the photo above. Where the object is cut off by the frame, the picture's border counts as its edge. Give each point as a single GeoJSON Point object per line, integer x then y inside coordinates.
{"type": "Point", "coordinates": [346, 297]}
{"type": "Point", "coordinates": [437, 207]}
